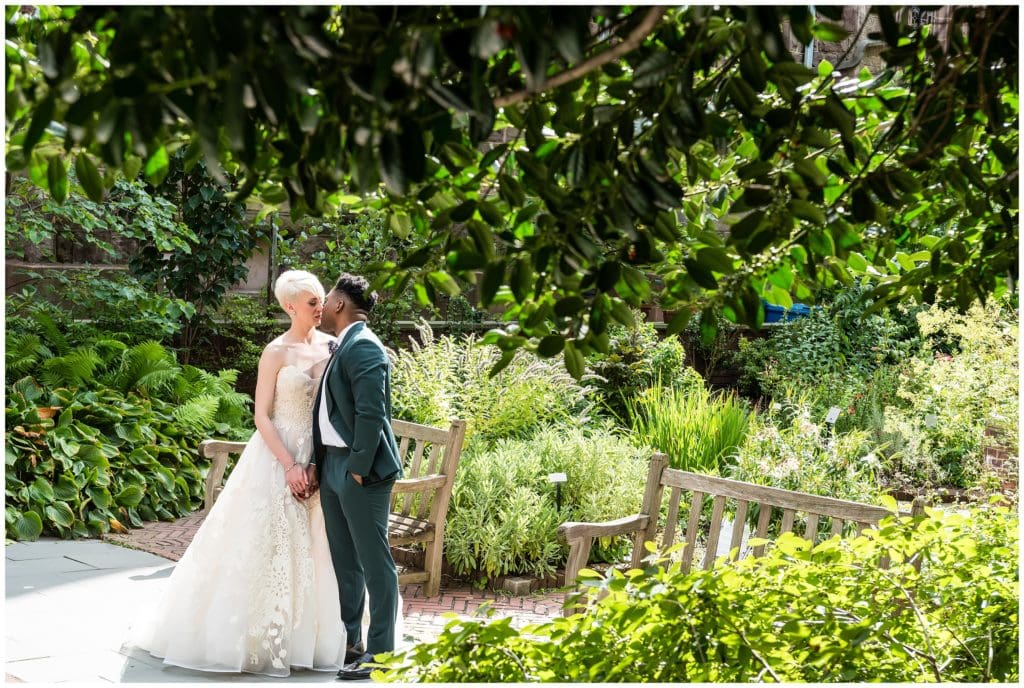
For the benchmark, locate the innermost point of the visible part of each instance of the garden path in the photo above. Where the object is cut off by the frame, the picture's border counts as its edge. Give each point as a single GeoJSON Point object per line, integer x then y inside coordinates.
{"type": "Point", "coordinates": [424, 617]}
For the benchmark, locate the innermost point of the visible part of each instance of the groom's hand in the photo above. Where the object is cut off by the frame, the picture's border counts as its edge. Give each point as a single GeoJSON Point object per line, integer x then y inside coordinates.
{"type": "Point", "coordinates": [311, 482]}
{"type": "Point", "coordinates": [358, 478]}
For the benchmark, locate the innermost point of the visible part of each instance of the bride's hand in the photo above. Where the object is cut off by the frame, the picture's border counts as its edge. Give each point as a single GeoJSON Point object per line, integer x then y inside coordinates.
{"type": "Point", "coordinates": [296, 477]}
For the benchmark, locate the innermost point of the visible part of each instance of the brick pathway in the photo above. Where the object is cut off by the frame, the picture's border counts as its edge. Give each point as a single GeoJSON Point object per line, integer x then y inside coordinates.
{"type": "Point", "coordinates": [423, 616]}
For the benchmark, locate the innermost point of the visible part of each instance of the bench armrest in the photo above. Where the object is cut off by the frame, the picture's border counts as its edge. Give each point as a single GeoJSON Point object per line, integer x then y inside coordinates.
{"type": "Point", "coordinates": [207, 448]}
{"type": "Point", "coordinates": [424, 484]}
{"type": "Point", "coordinates": [580, 537]}
{"type": "Point", "coordinates": [575, 530]}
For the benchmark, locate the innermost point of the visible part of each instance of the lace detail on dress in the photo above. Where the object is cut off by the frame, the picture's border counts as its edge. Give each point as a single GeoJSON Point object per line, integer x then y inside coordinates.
{"type": "Point", "coordinates": [289, 552]}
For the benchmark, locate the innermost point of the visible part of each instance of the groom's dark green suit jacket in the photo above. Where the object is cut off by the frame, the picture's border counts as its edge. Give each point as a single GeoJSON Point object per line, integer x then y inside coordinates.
{"type": "Point", "coordinates": [358, 382]}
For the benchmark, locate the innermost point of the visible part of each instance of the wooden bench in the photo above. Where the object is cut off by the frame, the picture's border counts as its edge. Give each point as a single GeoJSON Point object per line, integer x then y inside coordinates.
{"type": "Point", "coordinates": [644, 526]}
{"type": "Point", "coordinates": [419, 502]}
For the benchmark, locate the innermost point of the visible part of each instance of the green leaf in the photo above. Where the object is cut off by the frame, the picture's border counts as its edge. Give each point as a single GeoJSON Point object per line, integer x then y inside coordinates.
{"type": "Point", "coordinates": [494, 275]}
{"type": "Point", "coordinates": [781, 297]}
{"type": "Point", "coordinates": [130, 496]}
{"type": "Point", "coordinates": [678, 322]}
{"type": "Point", "coordinates": [857, 262]}
{"type": "Point", "coordinates": [60, 514]}
{"type": "Point", "coordinates": [100, 496]}
{"type": "Point", "coordinates": [569, 306]}
{"type": "Point", "coordinates": [745, 228]}
{"type": "Point", "coordinates": [157, 167]}
{"type": "Point", "coordinates": [40, 120]}
{"type": "Point", "coordinates": [57, 177]}
{"type": "Point", "coordinates": [863, 207]}
{"type": "Point", "coordinates": [623, 313]}
{"type": "Point", "coordinates": [551, 345]}
{"type": "Point", "coordinates": [131, 167]}
{"type": "Point", "coordinates": [28, 526]}
{"type": "Point", "coordinates": [392, 170]}
{"type": "Point", "coordinates": [40, 491]}
{"type": "Point", "coordinates": [492, 155]}
{"type": "Point", "coordinates": [574, 362]}
{"type": "Point", "coordinates": [89, 177]}
{"type": "Point", "coordinates": [444, 282]}
{"type": "Point", "coordinates": [716, 259]}
{"type": "Point", "coordinates": [700, 274]}
{"type": "Point", "coordinates": [65, 489]}
{"type": "Point", "coordinates": [830, 33]}
{"type": "Point", "coordinates": [653, 70]}
{"type": "Point", "coordinates": [521, 278]}
{"type": "Point", "coordinates": [502, 363]}
{"type": "Point", "coordinates": [806, 211]}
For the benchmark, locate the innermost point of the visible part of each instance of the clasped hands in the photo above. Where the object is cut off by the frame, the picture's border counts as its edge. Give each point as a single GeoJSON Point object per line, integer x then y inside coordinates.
{"type": "Point", "coordinates": [302, 481]}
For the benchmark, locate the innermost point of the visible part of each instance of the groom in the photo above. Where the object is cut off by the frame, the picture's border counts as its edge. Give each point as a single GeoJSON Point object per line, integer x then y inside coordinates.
{"type": "Point", "coordinates": [356, 467]}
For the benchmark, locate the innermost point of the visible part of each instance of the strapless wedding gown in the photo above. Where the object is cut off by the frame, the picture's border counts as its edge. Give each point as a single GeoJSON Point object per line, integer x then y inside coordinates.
{"type": "Point", "coordinates": [255, 591]}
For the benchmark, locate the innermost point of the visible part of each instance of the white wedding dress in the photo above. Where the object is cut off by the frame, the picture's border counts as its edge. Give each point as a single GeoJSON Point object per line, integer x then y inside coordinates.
{"type": "Point", "coordinates": [255, 591]}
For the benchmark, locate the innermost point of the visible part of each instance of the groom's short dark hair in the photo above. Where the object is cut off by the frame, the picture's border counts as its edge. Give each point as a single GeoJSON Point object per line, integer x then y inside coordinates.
{"type": "Point", "coordinates": [357, 289]}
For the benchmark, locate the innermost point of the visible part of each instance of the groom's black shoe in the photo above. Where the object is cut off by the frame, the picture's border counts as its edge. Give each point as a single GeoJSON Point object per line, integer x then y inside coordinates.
{"type": "Point", "coordinates": [354, 652]}
{"type": "Point", "coordinates": [357, 670]}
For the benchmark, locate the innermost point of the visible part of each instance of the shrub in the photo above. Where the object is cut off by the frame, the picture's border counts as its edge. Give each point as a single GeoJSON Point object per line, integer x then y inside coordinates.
{"type": "Point", "coordinates": [937, 427]}
{"type": "Point", "coordinates": [202, 271]}
{"type": "Point", "coordinates": [824, 615]}
{"type": "Point", "coordinates": [448, 377]}
{"type": "Point", "coordinates": [105, 435]}
{"type": "Point", "coordinates": [503, 516]}
{"type": "Point", "coordinates": [240, 330]}
{"type": "Point", "coordinates": [838, 340]}
{"type": "Point", "coordinates": [698, 429]}
{"type": "Point", "coordinates": [637, 359]}
{"type": "Point", "coordinates": [785, 449]}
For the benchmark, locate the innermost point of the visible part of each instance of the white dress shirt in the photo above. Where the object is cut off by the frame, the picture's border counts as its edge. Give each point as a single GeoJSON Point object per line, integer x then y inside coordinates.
{"type": "Point", "coordinates": [328, 435]}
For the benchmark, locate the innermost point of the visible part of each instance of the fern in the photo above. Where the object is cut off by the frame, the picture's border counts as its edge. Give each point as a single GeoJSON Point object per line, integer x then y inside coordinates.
{"type": "Point", "coordinates": [74, 369]}
{"type": "Point", "coordinates": [109, 350]}
{"type": "Point", "coordinates": [51, 332]}
{"type": "Point", "coordinates": [199, 412]}
{"type": "Point", "coordinates": [233, 407]}
{"type": "Point", "coordinates": [23, 354]}
{"type": "Point", "coordinates": [146, 368]}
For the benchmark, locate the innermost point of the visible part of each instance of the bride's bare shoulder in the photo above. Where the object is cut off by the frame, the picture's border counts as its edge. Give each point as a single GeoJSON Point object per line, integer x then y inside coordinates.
{"type": "Point", "coordinates": [275, 350]}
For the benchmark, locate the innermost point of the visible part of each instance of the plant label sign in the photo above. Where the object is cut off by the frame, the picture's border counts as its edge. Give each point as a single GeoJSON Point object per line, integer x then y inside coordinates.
{"type": "Point", "coordinates": [557, 478]}
{"type": "Point", "coordinates": [832, 416]}
{"type": "Point", "coordinates": [931, 420]}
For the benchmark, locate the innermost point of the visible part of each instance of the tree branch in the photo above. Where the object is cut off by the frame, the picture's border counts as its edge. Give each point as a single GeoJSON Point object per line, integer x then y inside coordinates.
{"type": "Point", "coordinates": [632, 42]}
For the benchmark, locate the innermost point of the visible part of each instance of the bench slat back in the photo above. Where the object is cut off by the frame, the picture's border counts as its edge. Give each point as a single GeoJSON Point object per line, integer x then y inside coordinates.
{"type": "Point", "coordinates": [790, 512]}
{"type": "Point", "coordinates": [440, 449]}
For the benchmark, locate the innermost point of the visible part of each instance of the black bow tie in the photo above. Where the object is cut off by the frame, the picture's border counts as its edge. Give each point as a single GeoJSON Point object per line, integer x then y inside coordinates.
{"type": "Point", "coordinates": [332, 346]}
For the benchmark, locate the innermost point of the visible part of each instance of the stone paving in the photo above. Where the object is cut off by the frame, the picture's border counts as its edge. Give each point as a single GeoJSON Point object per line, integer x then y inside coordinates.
{"type": "Point", "coordinates": [71, 605]}
{"type": "Point", "coordinates": [424, 617]}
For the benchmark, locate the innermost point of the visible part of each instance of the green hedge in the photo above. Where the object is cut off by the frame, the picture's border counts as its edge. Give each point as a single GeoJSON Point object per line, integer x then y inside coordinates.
{"type": "Point", "coordinates": [822, 615]}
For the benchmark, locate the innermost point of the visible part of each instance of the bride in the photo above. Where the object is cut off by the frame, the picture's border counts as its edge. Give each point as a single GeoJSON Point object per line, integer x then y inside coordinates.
{"type": "Point", "coordinates": [255, 591]}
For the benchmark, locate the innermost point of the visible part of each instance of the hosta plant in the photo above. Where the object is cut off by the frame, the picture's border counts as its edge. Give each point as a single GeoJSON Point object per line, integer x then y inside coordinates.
{"type": "Point", "coordinates": [106, 436]}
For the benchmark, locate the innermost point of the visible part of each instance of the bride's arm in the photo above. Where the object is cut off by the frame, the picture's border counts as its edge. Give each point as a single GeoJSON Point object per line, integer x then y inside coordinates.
{"type": "Point", "coordinates": [271, 362]}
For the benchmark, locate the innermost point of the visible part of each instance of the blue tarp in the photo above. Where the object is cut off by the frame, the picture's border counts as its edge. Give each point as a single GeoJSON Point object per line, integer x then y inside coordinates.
{"type": "Point", "coordinates": [773, 313]}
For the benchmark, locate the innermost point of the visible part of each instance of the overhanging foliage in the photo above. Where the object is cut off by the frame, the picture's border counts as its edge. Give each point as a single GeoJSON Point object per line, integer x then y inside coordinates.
{"type": "Point", "coordinates": [681, 147]}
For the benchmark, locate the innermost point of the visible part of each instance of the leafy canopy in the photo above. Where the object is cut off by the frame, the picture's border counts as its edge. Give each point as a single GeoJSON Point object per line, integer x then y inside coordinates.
{"type": "Point", "coordinates": [678, 150]}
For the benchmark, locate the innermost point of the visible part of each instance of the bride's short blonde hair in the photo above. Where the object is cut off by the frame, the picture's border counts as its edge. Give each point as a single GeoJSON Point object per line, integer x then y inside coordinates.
{"type": "Point", "coordinates": [291, 284]}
